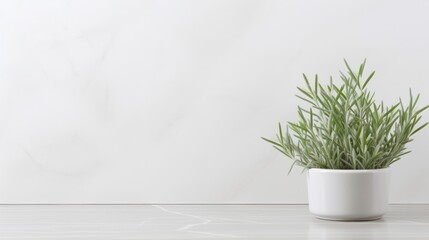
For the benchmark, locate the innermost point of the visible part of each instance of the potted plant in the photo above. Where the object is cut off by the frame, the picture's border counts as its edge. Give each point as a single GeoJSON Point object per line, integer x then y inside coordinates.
{"type": "Point", "coordinates": [347, 142]}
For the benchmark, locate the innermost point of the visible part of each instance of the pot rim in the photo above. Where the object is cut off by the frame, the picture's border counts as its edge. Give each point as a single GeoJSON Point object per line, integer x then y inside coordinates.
{"type": "Point", "coordinates": [324, 170]}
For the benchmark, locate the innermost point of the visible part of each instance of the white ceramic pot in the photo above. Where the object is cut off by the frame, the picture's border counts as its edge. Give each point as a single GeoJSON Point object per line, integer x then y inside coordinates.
{"type": "Point", "coordinates": [348, 195]}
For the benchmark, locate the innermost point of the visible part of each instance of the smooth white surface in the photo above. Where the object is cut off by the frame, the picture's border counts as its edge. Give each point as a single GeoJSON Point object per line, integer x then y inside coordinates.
{"type": "Point", "coordinates": [165, 101]}
{"type": "Point", "coordinates": [202, 222]}
{"type": "Point", "coordinates": [348, 194]}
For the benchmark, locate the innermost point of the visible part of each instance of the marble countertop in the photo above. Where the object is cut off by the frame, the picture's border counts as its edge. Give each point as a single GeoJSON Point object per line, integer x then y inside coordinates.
{"type": "Point", "coordinates": [202, 222]}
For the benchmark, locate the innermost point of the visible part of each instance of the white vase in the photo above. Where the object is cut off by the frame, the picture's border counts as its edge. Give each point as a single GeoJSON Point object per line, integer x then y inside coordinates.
{"type": "Point", "coordinates": [348, 195]}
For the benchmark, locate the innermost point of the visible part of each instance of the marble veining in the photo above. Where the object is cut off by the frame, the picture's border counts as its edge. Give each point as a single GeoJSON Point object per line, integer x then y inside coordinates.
{"type": "Point", "coordinates": [202, 222]}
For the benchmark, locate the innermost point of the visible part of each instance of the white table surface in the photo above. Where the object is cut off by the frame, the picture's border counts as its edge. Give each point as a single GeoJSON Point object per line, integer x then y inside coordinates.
{"type": "Point", "coordinates": [202, 222]}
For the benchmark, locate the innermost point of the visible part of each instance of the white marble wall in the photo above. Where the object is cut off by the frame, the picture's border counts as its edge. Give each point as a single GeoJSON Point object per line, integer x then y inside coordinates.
{"type": "Point", "coordinates": [165, 101]}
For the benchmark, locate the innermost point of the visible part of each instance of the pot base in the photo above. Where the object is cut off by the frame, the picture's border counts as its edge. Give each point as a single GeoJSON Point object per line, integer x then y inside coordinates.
{"type": "Point", "coordinates": [348, 219]}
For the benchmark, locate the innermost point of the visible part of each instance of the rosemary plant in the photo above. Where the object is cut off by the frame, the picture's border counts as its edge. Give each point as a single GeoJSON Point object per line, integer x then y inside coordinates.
{"type": "Point", "coordinates": [344, 128]}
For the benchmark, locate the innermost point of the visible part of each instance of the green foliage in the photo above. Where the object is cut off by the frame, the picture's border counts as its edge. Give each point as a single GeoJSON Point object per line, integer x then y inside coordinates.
{"type": "Point", "coordinates": [344, 128]}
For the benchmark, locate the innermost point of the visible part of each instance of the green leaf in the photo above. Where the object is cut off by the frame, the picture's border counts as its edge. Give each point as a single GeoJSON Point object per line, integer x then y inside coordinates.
{"type": "Point", "coordinates": [368, 79]}
{"type": "Point", "coordinates": [272, 142]}
{"type": "Point", "coordinates": [419, 128]}
{"type": "Point", "coordinates": [352, 74]}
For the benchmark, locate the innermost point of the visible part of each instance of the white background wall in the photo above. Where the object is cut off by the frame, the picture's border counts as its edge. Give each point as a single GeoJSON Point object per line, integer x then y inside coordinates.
{"type": "Point", "coordinates": [165, 101]}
